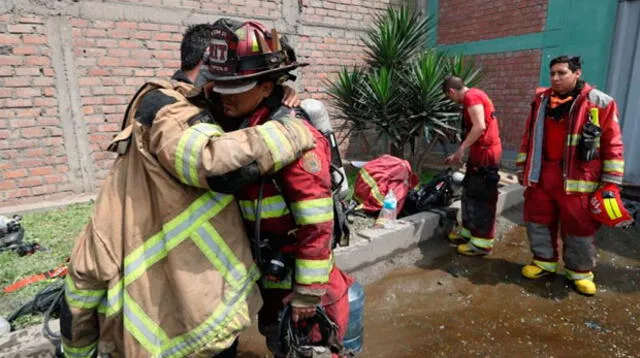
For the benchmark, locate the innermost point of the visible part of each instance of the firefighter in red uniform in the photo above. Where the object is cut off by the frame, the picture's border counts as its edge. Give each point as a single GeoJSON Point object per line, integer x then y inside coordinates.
{"type": "Point", "coordinates": [480, 193]}
{"type": "Point", "coordinates": [571, 146]}
{"type": "Point", "coordinates": [289, 215]}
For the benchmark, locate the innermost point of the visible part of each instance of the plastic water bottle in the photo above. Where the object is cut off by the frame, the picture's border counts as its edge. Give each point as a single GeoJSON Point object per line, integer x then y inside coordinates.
{"type": "Point", "coordinates": [353, 338]}
{"type": "Point", "coordinates": [389, 212]}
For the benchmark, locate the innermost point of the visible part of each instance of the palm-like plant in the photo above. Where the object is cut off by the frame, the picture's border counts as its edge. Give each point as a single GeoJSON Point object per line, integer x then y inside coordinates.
{"type": "Point", "coordinates": [398, 93]}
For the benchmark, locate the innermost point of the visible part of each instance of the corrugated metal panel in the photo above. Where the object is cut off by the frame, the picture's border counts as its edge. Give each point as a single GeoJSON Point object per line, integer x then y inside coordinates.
{"type": "Point", "coordinates": [624, 83]}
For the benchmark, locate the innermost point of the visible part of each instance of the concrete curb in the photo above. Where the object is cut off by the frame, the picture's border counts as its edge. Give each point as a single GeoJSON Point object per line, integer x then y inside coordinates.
{"type": "Point", "coordinates": [364, 259]}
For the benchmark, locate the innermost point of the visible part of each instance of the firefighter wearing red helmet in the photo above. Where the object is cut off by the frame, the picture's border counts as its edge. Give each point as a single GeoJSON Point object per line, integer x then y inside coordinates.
{"type": "Point", "coordinates": [289, 215]}
{"type": "Point", "coordinates": [571, 147]}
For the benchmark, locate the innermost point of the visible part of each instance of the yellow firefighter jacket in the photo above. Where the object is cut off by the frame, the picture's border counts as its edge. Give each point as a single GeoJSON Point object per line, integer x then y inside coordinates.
{"type": "Point", "coordinates": [164, 267]}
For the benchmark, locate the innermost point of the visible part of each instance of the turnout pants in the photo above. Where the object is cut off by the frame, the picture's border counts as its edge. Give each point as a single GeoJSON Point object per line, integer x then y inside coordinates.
{"type": "Point", "coordinates": [479, 199]}
{"type": "Point", "coordinates": [549, 209]}
{"type": "Point", "coordinates": [335, 303]}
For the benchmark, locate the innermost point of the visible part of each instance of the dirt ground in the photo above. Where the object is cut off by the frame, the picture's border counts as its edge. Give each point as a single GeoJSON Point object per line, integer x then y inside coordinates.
{"type": "Point", "coordinates": [466, 307]}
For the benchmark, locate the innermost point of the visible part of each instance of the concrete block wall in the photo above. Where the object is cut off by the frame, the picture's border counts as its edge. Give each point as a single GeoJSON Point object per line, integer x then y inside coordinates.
{"type": "Point", "coordinates": [69, 67]}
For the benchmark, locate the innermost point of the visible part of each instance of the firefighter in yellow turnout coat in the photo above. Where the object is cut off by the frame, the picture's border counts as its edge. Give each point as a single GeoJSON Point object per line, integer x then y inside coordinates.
{"type": "Point", "coordinates": [164, 268]}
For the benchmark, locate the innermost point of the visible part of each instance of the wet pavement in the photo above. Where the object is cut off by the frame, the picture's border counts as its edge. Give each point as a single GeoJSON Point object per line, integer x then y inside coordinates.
{"type": "Point", "coordinates": [473, 307]}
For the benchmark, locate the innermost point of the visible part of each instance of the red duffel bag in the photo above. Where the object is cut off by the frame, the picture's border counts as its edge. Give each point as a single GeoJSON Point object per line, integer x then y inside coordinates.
{"type": "Point", "coordinates": [378, 176]}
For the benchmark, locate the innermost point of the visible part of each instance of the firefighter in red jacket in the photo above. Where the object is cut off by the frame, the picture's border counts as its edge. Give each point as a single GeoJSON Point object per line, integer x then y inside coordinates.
{"type": "Point", "coordinates": [480, 193]}
{"type": "Point", "coordinates": [289, 215]}
{"type": "Point", "coordinates": [571, 146]}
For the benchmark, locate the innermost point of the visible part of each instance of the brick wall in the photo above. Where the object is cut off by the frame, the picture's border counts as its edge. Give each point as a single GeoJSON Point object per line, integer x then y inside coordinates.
{"type": "Point", "coordinates": [68, 69]}
{"type": "Point", "coordinates": [32, 157]}
{"type": "Point", "coordinates": [510, 80]}
{"type": "Point", "coordinates": [474, 20]}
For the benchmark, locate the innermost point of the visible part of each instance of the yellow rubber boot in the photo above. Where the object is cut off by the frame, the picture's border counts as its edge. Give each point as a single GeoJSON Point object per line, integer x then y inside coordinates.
{"type": "Point", "coordinates": [534, 271]}
{"type": "Point", "coordinates": [459, 235]}
{"type": "Point", "coordinates": [586, 287]}
{"type": "Point", "coordinates": [469, 249]}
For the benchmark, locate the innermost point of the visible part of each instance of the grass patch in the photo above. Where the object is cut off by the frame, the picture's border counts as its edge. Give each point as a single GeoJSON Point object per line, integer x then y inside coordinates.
{"type": "Point", "coordinates": [56, 230]}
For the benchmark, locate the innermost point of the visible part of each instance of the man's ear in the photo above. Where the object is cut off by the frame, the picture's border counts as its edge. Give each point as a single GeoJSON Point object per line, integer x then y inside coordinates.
{"type": "Point", "coordinates": [266, 88]}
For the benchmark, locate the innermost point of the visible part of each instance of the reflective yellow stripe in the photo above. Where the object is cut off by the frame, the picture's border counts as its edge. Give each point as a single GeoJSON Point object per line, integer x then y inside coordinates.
{"type": "Point", "coordinates": [218, 252]}
{"type": "Point", "coordinates": [272, 207]}
{"type": "Point", "coordinates": [224, 317]}
{"type": "Point", "coordinates": [145, 331]}
{"type": "Point", "coordinates": [173, 233]}
{"type": "Point", "coordinates": [464, 232]}
{"type": "Point", "coordinates": [189, 151]}
{"type": "Point", "coordinates": [613, 166]}
{"type": "Point", "coordinates": [481, 243]}
{"type": "Point", "coordinates": [313, 211]}
{"type": "Point", "coordinates": [573, 140]}
{"type": "Point", "coordinates": [594, 115]}
{"type": "Point", "coordinates": [82, 299]}
{"type": "Point", "coordinates": [81, 352]}
{"type": "Point", "coordinates": [548, 266]}
{"type": "Point", "coordinates": [112, 302]}
{"type": "Point", "coordinates": [612, 208]}
{"type": "Point", "coordinates": [313, 271]}
{"type": "Point", "coordinates": [285, 284]}
{"type": "Point", "coordinates": [276, 142]}
{"type": "Point", "coordinates": [572, 275]}
{"type": "Point", "coordinates": [372, 184]}
{"type": "Point", "coordinates": [581, 186]}
{"type": "Point", "coordinates": [521, 157]}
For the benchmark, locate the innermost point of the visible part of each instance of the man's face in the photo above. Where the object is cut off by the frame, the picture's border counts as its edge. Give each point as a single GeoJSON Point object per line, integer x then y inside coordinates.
{"type": "Point", "coordinates": [454, 95]}
{"type": "Point", "coordinates": [242, 104]}
{"type": "Point", "coordinates": [562, 78]}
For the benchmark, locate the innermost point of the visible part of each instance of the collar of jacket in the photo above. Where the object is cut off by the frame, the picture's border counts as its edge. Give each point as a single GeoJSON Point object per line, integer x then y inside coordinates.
{"type": "Point", "coordinates": [181, 76]}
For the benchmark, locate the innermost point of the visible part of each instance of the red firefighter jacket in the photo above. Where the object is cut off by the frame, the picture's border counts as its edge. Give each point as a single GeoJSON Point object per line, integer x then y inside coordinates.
{"type": "Point", "coordinates": [297, 211]}
{"type": "Point", "coordinates": [579, 176]}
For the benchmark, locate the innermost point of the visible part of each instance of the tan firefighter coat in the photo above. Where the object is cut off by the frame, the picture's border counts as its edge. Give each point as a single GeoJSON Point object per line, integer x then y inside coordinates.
{"type": "Point", "coordinates": [164, 268]}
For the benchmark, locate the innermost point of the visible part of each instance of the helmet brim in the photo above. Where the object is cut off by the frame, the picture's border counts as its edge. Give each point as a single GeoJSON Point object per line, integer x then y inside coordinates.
{"type": "Point", "coordinates": [253, 76]}
{"type": "Point", "coordinates": [237, 87]}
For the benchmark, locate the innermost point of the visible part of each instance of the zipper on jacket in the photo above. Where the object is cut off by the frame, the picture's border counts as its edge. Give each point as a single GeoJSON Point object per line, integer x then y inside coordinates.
{"type": "Point", "coordinates": [565, 165]}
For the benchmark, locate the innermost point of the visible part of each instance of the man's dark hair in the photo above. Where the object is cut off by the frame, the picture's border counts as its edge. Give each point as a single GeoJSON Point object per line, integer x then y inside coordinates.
{"type": "Point", "coordinates": [452, 82]}
{"type": "Point", "coordinates": [574, 62]}
{"type": "Point", "coordinates": [195, 41]}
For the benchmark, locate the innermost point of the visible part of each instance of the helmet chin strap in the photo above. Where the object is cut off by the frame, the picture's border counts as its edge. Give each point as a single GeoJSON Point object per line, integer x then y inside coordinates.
{"type": "Point", "coordinates": [201, 79]}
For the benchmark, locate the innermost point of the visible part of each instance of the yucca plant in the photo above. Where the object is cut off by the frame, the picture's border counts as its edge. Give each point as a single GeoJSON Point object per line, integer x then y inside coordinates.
{"type": "Point", "coordinates": [398, 92]}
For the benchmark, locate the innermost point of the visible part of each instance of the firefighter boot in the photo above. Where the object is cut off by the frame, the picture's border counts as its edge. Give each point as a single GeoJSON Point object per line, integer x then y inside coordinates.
{"type": "Point", "coordinates": [586, 287]}
{"type": "Point", "coordinates": [470, 249]}
{"type": "Point", "coordinates": [459, 235]}
{"type": "Point", "coordinates": [534, 271]}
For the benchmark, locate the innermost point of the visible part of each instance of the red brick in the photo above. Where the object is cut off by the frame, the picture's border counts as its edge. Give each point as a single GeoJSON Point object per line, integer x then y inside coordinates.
{"type": "Point", "coordinates": [40, 171]}
{"type": "Point", "coordinates": [79, 22]}
{"type": "Point", "coordinates": [16, 103]}
{"type": "Point", "coordinates": [37, 61]}
{"type": "Point", "coordinates": [126, 25]}
{"type": "Point", "coordinates": [34, 39]}
{"type": "Point", "coordinates": [42, 81]}
{"type": "Point", "coordinates": [6, 71]}
{"type": "Point", "coordinates": [17, 82]}
{"type": "Point", "coordinates": [25, 50]}
{"type": "Point", "coordinates": [6, 185]}
{"type": "Point", "coordinates": [89, 81]}
{"type": "Point", "coordinates": [34, 132]}
{"type": "Point", "coordinates": [118, 52]}
{"type": "Point", "coordinates": [45, 102]}
{"type": "Point", "coordinates": [29, 182]}
{"type": "Point", "coordinates": [45, 189]}
{"type": "Point", "coordinates": [4, 134]}
{"type": "Point", "coordinates": [28, 71]}
{"type": "Point", "coordinates": [103, 24]}
{"type": "Point", "coordinates": [55, 179]}
{"type": "Point", "coordinates": [11, 60]}
{"type": "Point", "coordinates": [129, 44]}
{"type": "Point", "coordinates": [19, 193]}
{"type": "Point", "coordinates": [6, 92]}
{"type": "Point", "coordinates": [27, 113]}
{"type": "Point", "coordinates": [27, 92]}
{"type": "Point", "coordinates": [107, 61]}
{"type": "Point", "coordinates": [62, 169]}
{"type": "Point", "coordinates": [50, 92]}
{"type": "Point", "coordinates": [12, 174]}
{"type": "Point", "coordinates": [21, 28]}
{"type": "Point", "coordinates": [7, 39]}
{"type": "Point", "coordinates": [95, 33]}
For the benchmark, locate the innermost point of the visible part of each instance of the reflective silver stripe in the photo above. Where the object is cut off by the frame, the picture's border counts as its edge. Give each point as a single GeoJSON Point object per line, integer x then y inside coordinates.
{"type": "Point", "coordinates": [208, 129]}
{"type": "Point", "coordinates": [313, 211]}
{"type": "Point", "coordinates": [272, 207]}
{"type": "Point", "coordinates": [214, 322]}
{"type": "Point", "coordinates": [581, 186]}
{"type": "Point", "coordinates": [615, 179]}
{"type": "Point", "coordinates": [220, 255]}
{"type": "Point", "coordinates": [547, 266]}
{"type": "Point", "coordinates": [572, 275]}
{"type": "Point", "coordinates": [136, 326]}
{"type": "Point", "coordinates": [112, 302]}
{"type": "Point", "coordinates": [191, 149]}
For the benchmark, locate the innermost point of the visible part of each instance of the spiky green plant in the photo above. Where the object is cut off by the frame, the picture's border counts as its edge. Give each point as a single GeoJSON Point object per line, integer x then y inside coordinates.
{"type": "Point", "coordinates": [398, 93]}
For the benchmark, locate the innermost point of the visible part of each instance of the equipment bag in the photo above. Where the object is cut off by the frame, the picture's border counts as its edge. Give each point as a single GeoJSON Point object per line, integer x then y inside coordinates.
{"type": "Point", "coordinates": [377, 177]}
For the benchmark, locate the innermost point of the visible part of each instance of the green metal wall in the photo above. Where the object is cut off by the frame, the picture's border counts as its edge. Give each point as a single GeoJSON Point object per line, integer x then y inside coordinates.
{"type": "Point", "coordinates": [575, 27]}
